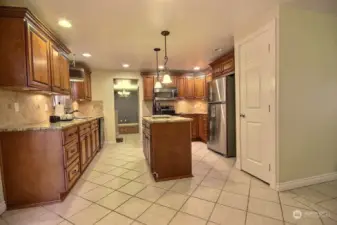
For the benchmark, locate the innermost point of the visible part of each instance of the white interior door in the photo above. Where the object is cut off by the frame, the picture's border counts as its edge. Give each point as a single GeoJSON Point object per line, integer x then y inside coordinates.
{"type": "Point", "coordinates": [256, 99]}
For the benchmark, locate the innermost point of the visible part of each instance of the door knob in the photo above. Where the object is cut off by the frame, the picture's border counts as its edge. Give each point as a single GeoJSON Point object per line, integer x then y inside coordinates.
{"type": "Point", "coordinates": [243, 115]}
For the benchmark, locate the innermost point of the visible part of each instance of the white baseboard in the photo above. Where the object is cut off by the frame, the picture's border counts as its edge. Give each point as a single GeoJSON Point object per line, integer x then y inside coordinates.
{"type": "Point", "coordinates": [3, 207]}
{"type": "Point", "coordinates": [306, 181]}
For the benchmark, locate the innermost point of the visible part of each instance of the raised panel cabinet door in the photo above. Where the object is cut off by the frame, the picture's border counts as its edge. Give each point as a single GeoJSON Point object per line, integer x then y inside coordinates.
{"type": "Point", "coordinates": [39, 62]}
{"type": "Point", "coordinates": [181, 86]}
{"type": "Point", "coordinates": [97, 139]}
{"type": "Point", "coordinates": [64, 72]}
{"type": "Point", "coordinates": [89, 146]}
{"type": "Point", "coordinates": [56, 81]}
{"type": "Point", "coordinates": [189, 87]}
{"type": "Point", "coordinates": [93, 141]}
{"type": "Point", "coordinates": [83, 151]}
{"type": "Point", "coordinates": [194, 126]}
{"type": "Point", "coordinates": [199, 87]}
{"type": "Point", "coordinates": [77, 90]}
{"type": "Point", "coordinates": [89, 87]}
{"type": "Point", "coordinates": [148, 84]}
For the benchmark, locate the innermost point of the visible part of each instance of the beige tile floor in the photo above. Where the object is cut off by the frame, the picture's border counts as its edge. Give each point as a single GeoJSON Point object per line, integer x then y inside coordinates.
{"type": "Point", "coordinates": [117, 189]}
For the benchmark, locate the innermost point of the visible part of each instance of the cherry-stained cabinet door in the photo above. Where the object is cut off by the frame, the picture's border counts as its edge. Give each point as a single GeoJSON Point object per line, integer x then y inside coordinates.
{"type": "Point", "coordinates": [148, 84]}
{"type": "Point", "coordinates": [189, 87]}
{"type": "Point", "coordinates": [64, 72]}
{"type": "Point", "coordinates": [180, 80]}
{"type": "Point", "coordinates": [199, 87]}
{"type": "Point", "coordinates": [38, 59]}
{"type": "Point", "coordinates": [56, 79]}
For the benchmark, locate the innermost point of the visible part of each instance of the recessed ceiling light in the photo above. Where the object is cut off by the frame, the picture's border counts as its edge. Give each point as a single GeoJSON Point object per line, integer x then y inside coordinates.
{"type": "Point", "coordinates": [160, 67]}
{"type": "Point", "coordinates": [196, 68]}
{"type": "Point", "coordinates": [218, 49]}
{"type": "Point", "coordinates": [86, 54]}
{"type": "Point", "coordinates": [126, 65]}
{"type": "Point", "coordinates": [64, 23]}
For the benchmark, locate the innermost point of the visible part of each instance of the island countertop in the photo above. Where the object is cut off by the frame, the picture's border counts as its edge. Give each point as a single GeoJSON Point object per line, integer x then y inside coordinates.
{"type": "Point", "coordinates": [168, 119]}
{"type": "Point", "coordinates": [48, 126]}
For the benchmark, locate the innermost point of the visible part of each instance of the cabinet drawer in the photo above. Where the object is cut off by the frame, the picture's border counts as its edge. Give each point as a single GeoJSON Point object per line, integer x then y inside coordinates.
{"type": "Point", "coordinates": [73, 172]}
{"type": "Point", "coordinates": [84, 129]}
{"type": "Point", "coordinates": [69, 135]}
{"type": "Point", "coordinates": [71, 152]}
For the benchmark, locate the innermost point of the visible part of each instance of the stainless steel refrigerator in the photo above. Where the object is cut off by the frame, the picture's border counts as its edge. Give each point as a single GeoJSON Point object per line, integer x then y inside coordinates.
{"type": "Point", "coordinates": [221, 116]}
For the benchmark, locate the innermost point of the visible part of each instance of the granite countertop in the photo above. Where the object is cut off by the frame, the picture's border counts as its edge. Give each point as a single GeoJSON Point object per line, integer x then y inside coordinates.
{"type": "Point", "coordinates": [170, 119]}
{"type": "Point", "coordinates": [47, 125]}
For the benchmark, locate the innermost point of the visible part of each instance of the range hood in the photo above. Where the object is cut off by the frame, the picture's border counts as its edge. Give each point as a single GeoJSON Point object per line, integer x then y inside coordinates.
{"type": "Point", "coordinates": [76, 74]}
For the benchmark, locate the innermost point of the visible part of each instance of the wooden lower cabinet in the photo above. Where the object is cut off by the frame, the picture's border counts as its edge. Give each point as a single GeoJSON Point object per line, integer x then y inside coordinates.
{"type": "Point", "coordinates": [167, 149]}
{"type": "Point", "coordinates": [41, 166]}
{"type": "Point", "coordinates": [199, 126]}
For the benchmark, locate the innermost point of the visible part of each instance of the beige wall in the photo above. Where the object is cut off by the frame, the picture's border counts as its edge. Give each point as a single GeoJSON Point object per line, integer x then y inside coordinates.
{"type": "Point", "coordinates": [103, 90]}
{"type": "Point", "coordinates": [307, 95]}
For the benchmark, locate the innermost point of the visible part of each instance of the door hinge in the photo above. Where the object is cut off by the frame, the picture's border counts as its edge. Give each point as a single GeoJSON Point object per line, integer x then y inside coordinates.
{"type": "Point", "coordinates": [269, 48]}
{"type": "Point", "coordinates": [269, 108]}
{"type": "Point", "coordinates": [269, 167]}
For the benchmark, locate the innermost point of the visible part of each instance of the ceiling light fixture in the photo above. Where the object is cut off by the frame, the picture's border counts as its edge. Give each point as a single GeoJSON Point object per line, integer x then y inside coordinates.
{"type": "Point", "coordinates": [157, 84]}
{"type": "Point", "coordinates": [64, 23]}
{"type": "Point", "coordinates": [86, 55]}
{"type": "Point", "coordinates": [196, 68]}
{"type": "Point", "coordinates": [166, 78]}
{"type": "Point", "coordinates": [125, 65]}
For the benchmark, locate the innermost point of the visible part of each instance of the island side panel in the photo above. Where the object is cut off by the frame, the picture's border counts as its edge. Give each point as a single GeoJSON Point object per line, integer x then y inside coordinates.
{"type": "Point", "coordinates": [171, 146]}
{"type": "Point", "coordinates": [32, 167]}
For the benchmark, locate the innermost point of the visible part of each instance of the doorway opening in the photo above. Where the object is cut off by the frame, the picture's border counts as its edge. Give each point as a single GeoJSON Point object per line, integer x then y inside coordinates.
{"type": "Point", "coordinates": [126, 96]}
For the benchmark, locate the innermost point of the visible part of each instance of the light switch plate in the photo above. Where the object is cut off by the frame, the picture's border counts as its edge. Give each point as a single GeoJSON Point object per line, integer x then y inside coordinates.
{"type": "Point", "coordinates": [16, 107]}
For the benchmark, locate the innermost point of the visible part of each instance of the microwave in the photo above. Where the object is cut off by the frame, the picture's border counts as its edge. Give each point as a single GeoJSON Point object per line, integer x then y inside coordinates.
{"type": "Point", "coordinates": [165, 94]}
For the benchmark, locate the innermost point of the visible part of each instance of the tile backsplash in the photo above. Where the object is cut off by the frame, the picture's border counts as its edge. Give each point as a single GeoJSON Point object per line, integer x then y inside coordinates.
{"type": "Point", "coordinates": [190, 106]}
{"type": "Point", "coordinates": [33, 108]}
{"type": "Point", "coordinates": [92, 108]}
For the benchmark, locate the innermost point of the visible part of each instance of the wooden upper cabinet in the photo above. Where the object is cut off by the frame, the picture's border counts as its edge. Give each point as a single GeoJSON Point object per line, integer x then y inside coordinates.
{"type": "Point", "coordinates": [64, 73]}
{"type": "Point", "coordinates": [31, 54]}
{"type": "Point", "coordinates": [38, 59]}
{"type": "Point", "coordinates": [59, 71]}
{"type": "Point", "coordinates": [208, 80]}
{"type": "Point", "coordinates": [87, 86]}
{"type": "Point", "coordinates": [55, 69]}
{"type": "Point", "coordinates": [82, 90]}
{"type": "Point", "coordinates": [181, 86]}
{"type": "Point", "coordinates": [148, 84]}
{"type": "Point", "coordinates": [224, 65]}
{"type": "Point", "coordinates": [199, 87]}
{"type": "Point", "coordinates": [189, 87]}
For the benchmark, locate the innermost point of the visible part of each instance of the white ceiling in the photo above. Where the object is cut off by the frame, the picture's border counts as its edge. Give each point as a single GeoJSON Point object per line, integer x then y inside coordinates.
{"type": "Point", "coordinates": [126, 31]}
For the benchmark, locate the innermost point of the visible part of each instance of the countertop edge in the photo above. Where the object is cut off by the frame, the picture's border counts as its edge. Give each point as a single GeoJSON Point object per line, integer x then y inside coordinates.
{"type": "Point", "coordinates": [48, 126]}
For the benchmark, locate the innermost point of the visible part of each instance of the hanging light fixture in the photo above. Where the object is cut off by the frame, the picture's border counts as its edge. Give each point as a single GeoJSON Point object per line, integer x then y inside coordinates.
{"type": "Point", "coordinates": [157, 84]}
{"type": "Point", "coordinates": [166, 78]}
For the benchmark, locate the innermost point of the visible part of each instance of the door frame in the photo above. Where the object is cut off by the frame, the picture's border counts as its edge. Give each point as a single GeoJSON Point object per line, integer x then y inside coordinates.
{"type": "Point", "coordinates": [274, 154]}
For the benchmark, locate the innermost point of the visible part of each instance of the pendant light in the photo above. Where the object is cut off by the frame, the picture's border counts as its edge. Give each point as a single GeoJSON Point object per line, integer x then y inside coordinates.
{"type": "Point", "coordinates": [166, 78]}
{"type": "Point", "coordinates": [158, 84]}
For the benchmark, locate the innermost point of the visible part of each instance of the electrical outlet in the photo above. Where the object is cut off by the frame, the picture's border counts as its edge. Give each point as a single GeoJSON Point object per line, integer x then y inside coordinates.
{"type": "Point", "coordinates": [16, 107]}
{"type": "Point", "coordinates": [46, 107]}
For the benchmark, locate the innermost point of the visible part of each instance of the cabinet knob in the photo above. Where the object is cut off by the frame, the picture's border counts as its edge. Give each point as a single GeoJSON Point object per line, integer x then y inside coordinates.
{"type": "Point", "coordinates": [243, 115]}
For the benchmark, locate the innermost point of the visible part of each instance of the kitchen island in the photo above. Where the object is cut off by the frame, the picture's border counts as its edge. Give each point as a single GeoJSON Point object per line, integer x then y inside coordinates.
{"type": "Point", "coordinates": [167, 146]}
